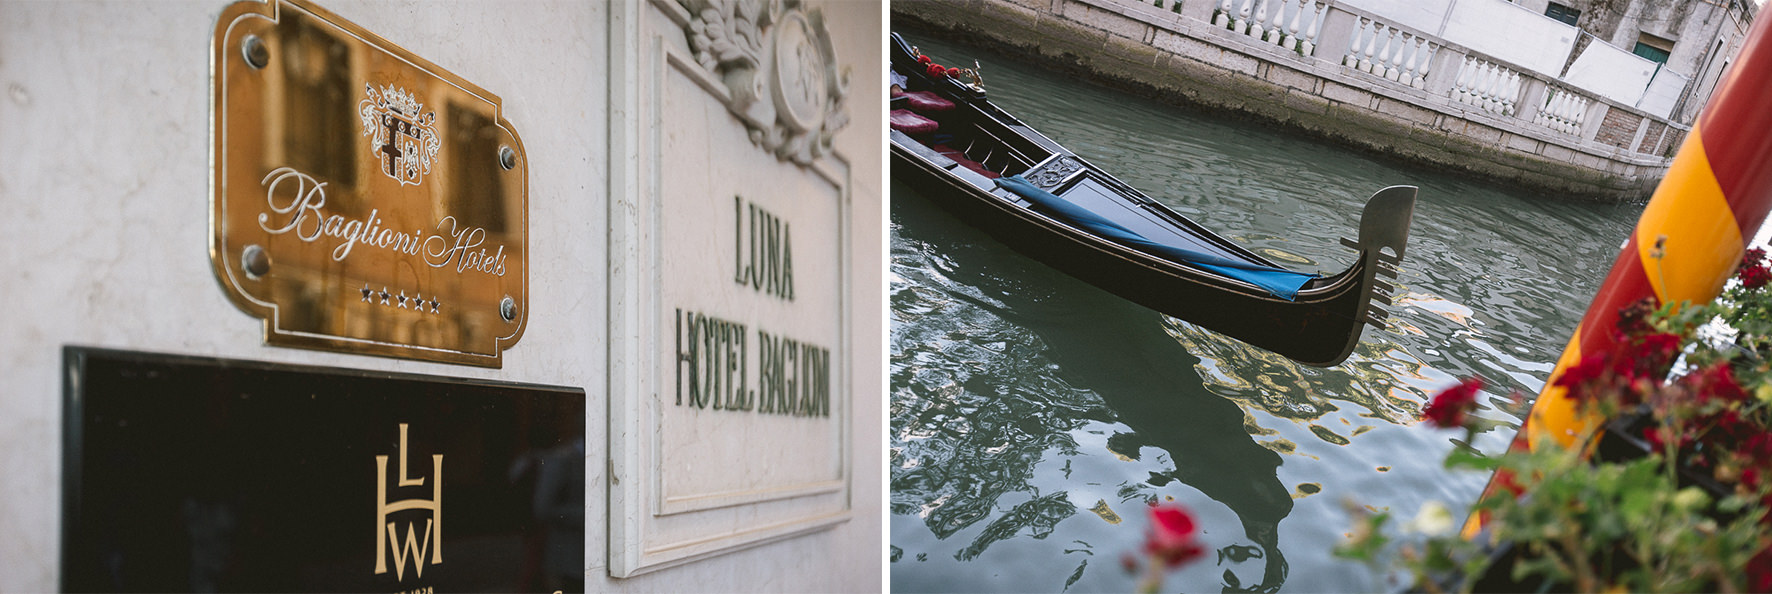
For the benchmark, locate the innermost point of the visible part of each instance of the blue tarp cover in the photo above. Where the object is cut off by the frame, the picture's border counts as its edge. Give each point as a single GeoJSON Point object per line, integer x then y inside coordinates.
{"type": "Point", "coordinates": [1280, 282]}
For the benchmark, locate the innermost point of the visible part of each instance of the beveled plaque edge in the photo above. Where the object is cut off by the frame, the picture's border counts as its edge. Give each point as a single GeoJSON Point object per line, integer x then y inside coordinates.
{"type": "Point", "coordinates": [223, 264]}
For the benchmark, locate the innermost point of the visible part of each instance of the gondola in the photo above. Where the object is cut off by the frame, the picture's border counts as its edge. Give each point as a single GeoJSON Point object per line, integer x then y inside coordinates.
{"type": "Point", "coordinates": [997, 173]}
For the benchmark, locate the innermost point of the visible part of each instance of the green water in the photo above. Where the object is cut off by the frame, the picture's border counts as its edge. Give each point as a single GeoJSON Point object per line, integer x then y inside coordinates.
{"type": "Point", "coordinates": [1034, 416]}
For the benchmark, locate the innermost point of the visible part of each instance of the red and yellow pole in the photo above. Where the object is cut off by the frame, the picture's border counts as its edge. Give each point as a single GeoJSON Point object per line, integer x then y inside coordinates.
{"type": "Point", "coordinates": [1690, 237]}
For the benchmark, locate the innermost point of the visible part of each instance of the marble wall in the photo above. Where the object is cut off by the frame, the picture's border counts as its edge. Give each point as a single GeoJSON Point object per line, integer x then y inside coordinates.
{"type": "Point", "coordinates": [104, 235]}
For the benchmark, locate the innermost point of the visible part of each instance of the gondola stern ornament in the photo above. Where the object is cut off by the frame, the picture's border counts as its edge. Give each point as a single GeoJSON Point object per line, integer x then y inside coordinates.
{"type": "Point", "coordinates": [1385, 222]}
{"type": "Point", "coordinates": [1384, 234]}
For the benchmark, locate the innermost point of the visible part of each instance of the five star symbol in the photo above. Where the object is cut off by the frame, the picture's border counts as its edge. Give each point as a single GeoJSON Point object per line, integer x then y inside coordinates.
{"type": "Point", "coordinates": [400, 299]}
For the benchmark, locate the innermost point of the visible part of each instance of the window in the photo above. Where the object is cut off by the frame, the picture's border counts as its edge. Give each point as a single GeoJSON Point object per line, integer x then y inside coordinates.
{"type": "Point", "coordinates": [1653, 48]}
{"type": "Point", "coordinates": [1562, 13]}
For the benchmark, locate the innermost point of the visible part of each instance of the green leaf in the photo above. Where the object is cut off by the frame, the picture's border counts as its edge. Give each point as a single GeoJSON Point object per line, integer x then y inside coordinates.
{"type": "Point", "coordinates": [1463, 457]}
{"type": "Point", "coordinates": [1637, 507]}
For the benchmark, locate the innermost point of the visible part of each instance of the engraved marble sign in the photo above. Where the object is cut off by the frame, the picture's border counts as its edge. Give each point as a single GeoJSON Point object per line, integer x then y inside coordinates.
{"type": "Point", "coordinates": [364, 199]}
{"type": "Point", "coordinates": [731, 289]}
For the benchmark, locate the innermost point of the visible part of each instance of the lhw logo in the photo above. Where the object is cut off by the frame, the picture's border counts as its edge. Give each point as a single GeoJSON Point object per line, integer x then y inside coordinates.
{"type": "Point", "coordinates": [417, 544]}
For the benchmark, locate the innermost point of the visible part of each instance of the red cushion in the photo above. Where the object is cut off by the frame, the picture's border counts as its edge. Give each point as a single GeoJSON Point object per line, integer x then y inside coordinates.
{"type": "Point", "coordinates": [960, 157]}
{"type": "Point", "coordinates": [910, 123]}
{"type": "Point", "coordinates": [927, 101]}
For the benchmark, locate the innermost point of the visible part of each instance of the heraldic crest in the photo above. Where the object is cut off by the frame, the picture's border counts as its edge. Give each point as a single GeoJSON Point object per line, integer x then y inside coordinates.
{"type": "Point", "coordinates": [403, 136]}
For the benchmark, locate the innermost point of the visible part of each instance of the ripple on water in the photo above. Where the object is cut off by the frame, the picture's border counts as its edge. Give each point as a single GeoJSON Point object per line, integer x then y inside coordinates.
{"type": "Point", "coordinates": [1021, 398]}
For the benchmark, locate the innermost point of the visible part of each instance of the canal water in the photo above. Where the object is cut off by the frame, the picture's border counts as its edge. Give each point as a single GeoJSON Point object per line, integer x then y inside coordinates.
{"type": "Point", "coordinates": [1033, 417]}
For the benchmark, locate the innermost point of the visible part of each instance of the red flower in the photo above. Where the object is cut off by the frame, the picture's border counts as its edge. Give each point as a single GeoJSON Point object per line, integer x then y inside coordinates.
{"type": "Point", "coordinates": [1753, 257]}
{"type": "Point", "coordinates": [1650, 355]}
{"type": "Point", "coordinates": [1758, 447]}
{"type": "Point", "coordinates": [1172, 536]}
{"type": "Point", "coordinates": [1450, 408]}
{"type": "Point", "coordinates": [1754, 277]}
{"type": "Point", "coordinates": [1728, 429]}
{"type": "Point", "coordinates": [1505, 479]}
{"type": "Point", "coordinates": [1589, 369]}
{"type": "Point", "coordinates": [1661, 344]}
{"type": "Point", "coordinates": [1717, 382]}
{"type": "Point", "coordinates": [1660, 437]}
{"type": "Point", "coordinates": [1633, 319]}
{"type": "Point", "coordinates": [924, 59]}
{"type": "Point", "coordinates": [1759, 572]}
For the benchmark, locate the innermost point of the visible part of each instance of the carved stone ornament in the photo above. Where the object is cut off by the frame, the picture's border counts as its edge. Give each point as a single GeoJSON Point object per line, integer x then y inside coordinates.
{"type": "Point", "coordinates": [780, 68]}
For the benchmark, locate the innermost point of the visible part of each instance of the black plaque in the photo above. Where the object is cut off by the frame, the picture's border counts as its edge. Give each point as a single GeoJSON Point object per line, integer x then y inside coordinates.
{"type": "Point", "coordinates": [200, 474]}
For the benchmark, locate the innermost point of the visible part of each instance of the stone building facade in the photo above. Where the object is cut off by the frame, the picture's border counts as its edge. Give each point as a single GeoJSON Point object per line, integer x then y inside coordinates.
{"type": "Point", "coordinates": [1483, 87]}
{"type": "Point", "coordinates": [1695, 38]}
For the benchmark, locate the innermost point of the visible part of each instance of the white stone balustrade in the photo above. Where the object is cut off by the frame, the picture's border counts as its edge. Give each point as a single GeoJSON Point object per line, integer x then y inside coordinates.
{"type": "Point", "coordinates": [1383, 50]}
{"type": "Point", "coordinates": [1387, 52]}
{"type": "Point", "coordinates": [1487, 86]}
{"type": "Point", "coordinates": [1291, 24]}
{"type": "Point", "coordinates": [1376, 74]}
{"type": "Point", "coordinates": [1563, 111]}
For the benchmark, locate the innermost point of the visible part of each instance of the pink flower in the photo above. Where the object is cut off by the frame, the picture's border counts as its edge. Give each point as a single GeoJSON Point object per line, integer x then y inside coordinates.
{"type": "Point", "coordinates": [1450, 408]}
{"type": "Point", "coordinates": [1172, 536]}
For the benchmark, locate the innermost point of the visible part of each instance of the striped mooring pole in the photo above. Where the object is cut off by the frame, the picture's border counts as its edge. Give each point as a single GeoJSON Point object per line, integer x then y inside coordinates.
{"type": "Point", "coordinates": [1690, 237]}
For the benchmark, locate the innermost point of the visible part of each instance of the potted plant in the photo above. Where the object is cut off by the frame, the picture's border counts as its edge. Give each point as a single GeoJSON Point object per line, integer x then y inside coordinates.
{"type": "Point", "coordinates": [1669, 493]}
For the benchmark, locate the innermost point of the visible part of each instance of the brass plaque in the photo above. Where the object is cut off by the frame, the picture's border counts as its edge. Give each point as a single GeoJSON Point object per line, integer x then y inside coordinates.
{"type": "Point", "coordinates": [365, 200]}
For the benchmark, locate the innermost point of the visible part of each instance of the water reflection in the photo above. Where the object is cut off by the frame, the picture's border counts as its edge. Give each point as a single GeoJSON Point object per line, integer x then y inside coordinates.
{"type": "Point", "coordinates": [1033, 416]}
{"type": "Point", "coordinates": [1100, 360]}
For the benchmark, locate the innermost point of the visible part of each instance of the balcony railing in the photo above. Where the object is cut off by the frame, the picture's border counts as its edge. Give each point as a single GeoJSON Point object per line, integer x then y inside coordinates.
{"type": "Point", "coordinates": [1418, 67]}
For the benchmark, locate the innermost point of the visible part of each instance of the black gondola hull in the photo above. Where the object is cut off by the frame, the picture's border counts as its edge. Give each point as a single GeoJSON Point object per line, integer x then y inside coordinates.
{"type": "Point", "coordinates": [1320, 327]}
{"type": "Point", "coordinates": [1319, 330]}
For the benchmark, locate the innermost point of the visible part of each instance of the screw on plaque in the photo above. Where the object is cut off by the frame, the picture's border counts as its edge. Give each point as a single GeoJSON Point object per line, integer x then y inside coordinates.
{"type": "Point", "coordinates": [507, 308]}
{"type": "Point", "coordinates": [255, 261]}
{"type": "Point", "coordinates": [256, 53]}
{"type": "Point", "coordinates": [507, 158]}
